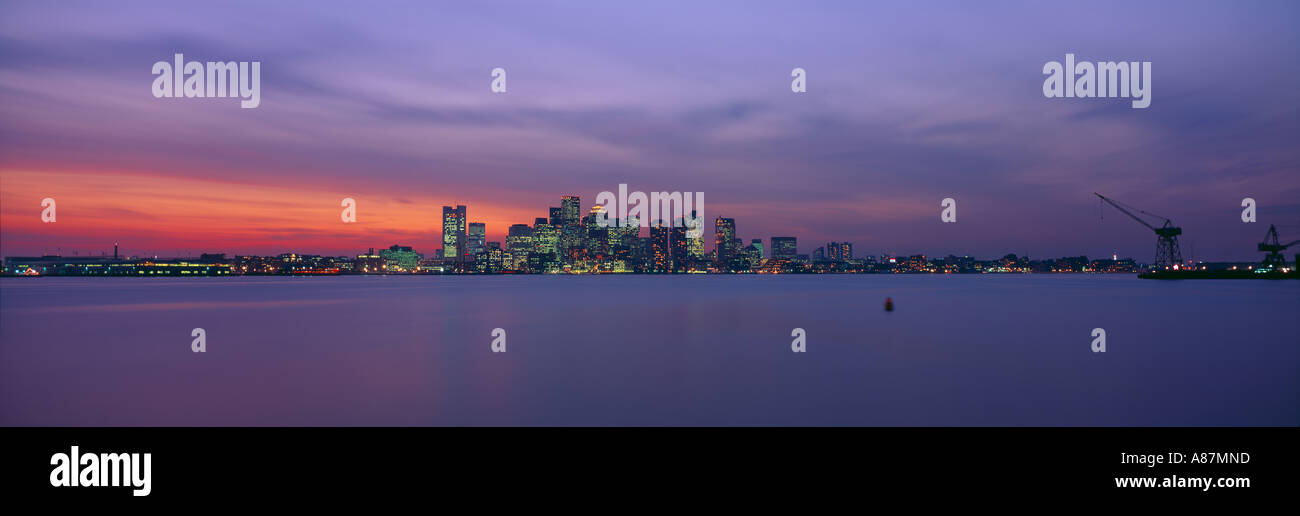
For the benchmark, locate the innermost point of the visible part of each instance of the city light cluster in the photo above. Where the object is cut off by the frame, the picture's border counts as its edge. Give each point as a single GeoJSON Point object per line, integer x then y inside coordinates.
{"type": "Point", "coordinates": [566, 242]}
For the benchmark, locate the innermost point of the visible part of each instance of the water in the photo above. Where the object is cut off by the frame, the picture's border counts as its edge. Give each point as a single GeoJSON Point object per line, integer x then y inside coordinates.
{"type": "Point", "coordinates": [649, 350]}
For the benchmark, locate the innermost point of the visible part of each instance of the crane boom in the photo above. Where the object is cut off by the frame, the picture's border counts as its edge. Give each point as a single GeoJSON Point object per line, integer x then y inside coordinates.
{"type": "Point", "coordinates": [1125, 211]}
{"type": "Point", "coordinates": [1168, 253]}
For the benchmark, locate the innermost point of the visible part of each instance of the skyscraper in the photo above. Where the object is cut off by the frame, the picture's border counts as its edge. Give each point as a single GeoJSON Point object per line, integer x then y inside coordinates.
{"type": "Point", "coordinates": [659, 252]}
{"type": "Point", "coordinates": [724, 236]}
{"type": "Point", "coordinates": [572, 235]}
{"type": "Point", "coordinates": [453, 232]}
{"type": "Point", "coordinates": [839, 251]}
{"type": "Point", "coordinates": [519, 242]}
{"type": "Point", "coordinates": [784, 248]}
{"type": "Point", "coordinates": [678, 243]}
{"type": "Point", "coordinates": [596, 235]}
{"type": "Point", "coordinates": [545, 237]}
{"type": "Point", "coordinates": [570, 208]}
{"type": "Point", "coordinates": [695, 246]}
{"type": "Point", "coordinates": [477, 235]}
{"type": "Point", "coordinates": [757, 243]}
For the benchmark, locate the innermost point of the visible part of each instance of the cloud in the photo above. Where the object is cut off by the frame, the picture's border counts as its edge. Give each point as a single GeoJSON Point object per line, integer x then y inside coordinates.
{"type": "Point", "coordinates": [906, 104]}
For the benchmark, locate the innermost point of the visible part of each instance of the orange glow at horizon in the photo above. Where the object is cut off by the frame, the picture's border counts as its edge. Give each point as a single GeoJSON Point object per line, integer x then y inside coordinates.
{"type": "Point", "coordinates": [165, 215]}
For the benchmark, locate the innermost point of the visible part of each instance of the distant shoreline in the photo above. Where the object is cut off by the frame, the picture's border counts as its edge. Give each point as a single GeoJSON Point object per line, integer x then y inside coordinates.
{"type": "Point", "coordinates": [573, 274]}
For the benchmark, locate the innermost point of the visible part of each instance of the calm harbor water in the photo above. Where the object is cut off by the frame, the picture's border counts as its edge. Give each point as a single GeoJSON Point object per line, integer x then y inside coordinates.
{"type": "Point", "coordinates": [649, 350]}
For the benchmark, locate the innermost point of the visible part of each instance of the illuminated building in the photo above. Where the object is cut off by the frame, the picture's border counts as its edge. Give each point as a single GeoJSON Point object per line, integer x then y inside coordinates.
{"type": "Point", "coordinates": [596, 235]}
{"type": "Point", "coordinates": [724, 237]}
{"type": "Point", "coordinates": [695, 245]}
{"type": "Point", "coordinates": [839, 251]}
{"type": "Point", "coordinates": [784, 248]}
{"type": "Point", "coordinates": [519, 243]}
{"type": "Point", "coordinates": [659, 253]}
{"type": "Point", "coordinates": [477, 237]}
{"type": "Point", "coordinates": [678, 245]}
{"type": "Point", "coordinates": [490, 259]}
{"type": "Point", "coordinates": [453, 232]}
{"type": "Point", "coordinates": [369, 263]}
{"type": "Point", "coordinates": [570, 208]}
{"type": "Point", "coordinates": [399, 258]}
{"type": "Point", "coordinates": [55, 265]}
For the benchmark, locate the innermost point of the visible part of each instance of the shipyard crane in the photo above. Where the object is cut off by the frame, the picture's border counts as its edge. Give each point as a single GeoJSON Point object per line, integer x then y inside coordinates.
{"type": "Point", "coordinates": [1270, 245]}
{"type": "Point", "coordinates": [1168, 254]}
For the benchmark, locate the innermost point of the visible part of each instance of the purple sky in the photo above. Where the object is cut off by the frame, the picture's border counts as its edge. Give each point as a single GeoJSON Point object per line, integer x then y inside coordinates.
{"type": "Point", "coordinates": [907, 103]}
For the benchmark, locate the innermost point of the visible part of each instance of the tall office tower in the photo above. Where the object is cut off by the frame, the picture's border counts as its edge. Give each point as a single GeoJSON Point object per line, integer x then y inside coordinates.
{"type": "Point", "coordinates": [680, 246]}
{"type": "Point", "coordinates": [557, 216]}
{"type": "Point", "coordinates": [545, 237]}
{"type": "Point", "coordinates": [695, 246]}
{"type": "Point", "coordinates": [640, 252]}
{"type": "Point", "coordinates": [819, 254]}
{"type": "Point", "coordinates": [477, 235]}
{"type": "Point", "coordinates": [757, 243]}
{"type": "Point", "coordinates": [613, 236]}
{"type": "Point", "coordinates": [595, 233]}
{"type": "Point", "coordinates": [622, 241]}
{"type": "Point", "coordinates": [570, 209]}
{"type": "Point", "coordinates": [519, 242]}
{"type": "Point", "coordinates": [631, 230]}
{"type": "Point", "coordinates": [453, 232]}
{"type": "Point", "coordinates": [784, 248]}
{"type": "Point", "coordinates": [846, 251]}
{"type": "Point", "coordinates": [752, 256]}
{"type": "Point", "coordinates": [659, 253]}
{"type": "Point", "coordinates": [571, 241]}
{"type": "Point", "coordinates": [724, 236]}
{"type": "Point", "coordinates": [494, 256]}
{"type": "Point", "coordinates": [832, 252]}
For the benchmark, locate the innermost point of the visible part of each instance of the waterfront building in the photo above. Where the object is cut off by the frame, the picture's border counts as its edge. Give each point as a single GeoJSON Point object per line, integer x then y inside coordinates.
{"type": "Point", "coordinates": [784, 248]}
{"type": "Point", "coordinates": [453, 232]}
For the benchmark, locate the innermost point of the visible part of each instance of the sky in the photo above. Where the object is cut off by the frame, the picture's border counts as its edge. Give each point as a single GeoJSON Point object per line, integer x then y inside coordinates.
{"type": "Point", "coordinates": [907, 103]}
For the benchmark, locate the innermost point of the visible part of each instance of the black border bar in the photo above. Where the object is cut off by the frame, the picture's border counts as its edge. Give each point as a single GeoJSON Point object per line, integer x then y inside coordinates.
{"type": "Point", "coordinates": [323, 465]}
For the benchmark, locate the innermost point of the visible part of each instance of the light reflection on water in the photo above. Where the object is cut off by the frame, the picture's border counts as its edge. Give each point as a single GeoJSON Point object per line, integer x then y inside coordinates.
{"type": "Point", "coordinates": [648, 350]}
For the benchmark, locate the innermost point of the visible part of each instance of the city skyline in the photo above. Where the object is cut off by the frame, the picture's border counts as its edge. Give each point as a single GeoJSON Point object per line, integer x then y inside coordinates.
{"type": "Point", "coordinates": [565, 242]}
{"type": "Point", "coordinates": [459, 230]}
{"type": "Point", "coordinates": [394, 109]}
{"type": "Point", "coordinates": [465, 233]}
